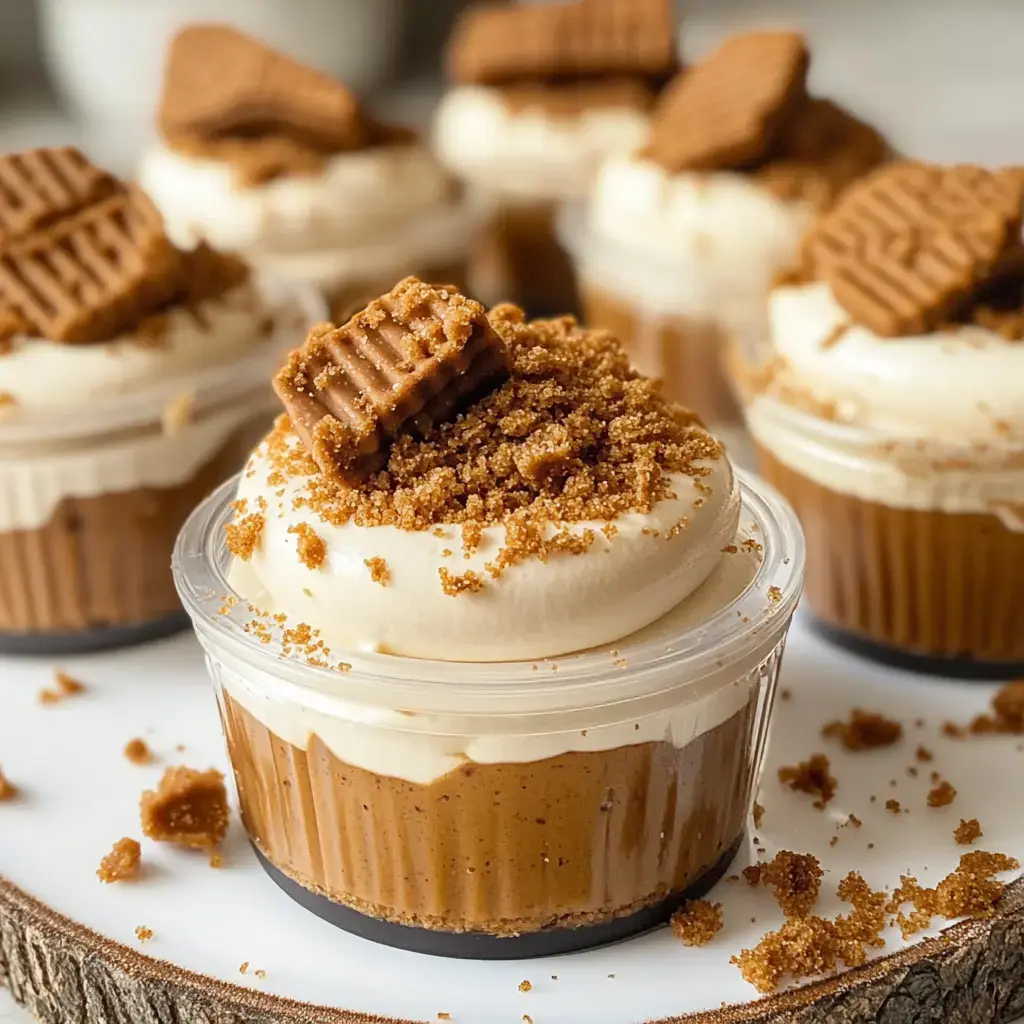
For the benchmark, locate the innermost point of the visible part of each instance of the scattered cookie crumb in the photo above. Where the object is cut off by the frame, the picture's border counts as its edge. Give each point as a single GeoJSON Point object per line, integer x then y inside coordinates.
{"type": "Point", "coordinates": [969, 891]}
{"type": "Point", "coordinates": [893, 806]}
{"type": "Point", "coordinates": [834, 841]}
{"type": "Point", "coordinates": [68, 685]}
{"type": "Point", "coordinates": [924, 755]}
{"type": "Point", "coordinates": [811, 776]}
{"type": "Point", "coordinates": [8, 790]}
{"type": "Point", "coordinates": [967, 831]}
{"type": "Point", "coordinates": [216, 859]}
{"type": "Point", "coordinates": [953, 731]}
{"type": "Point", "coordinates": [453, 584]}
{"type": "Point", "coordinates": [137, 751]}
{"type": "Point", "coordinates": [527, 1019]}
{"type": "Point", "coordinates": [525, 986]}
{"type": "Point", "coordinates": [795, 879]}
{"type": "Point", "coordinates": [807, 946]}
{"type": "Point", "coordinates": [143, 934]}
{"type": "Point", "coordinates": [441, 1015]}
{"type": "Point", "coordinates": [379, 571]}
{"type": "Point", "coordinates": [852, 819]}
{"type": "Point", "coordinates": [1007, 712]}
{"type": "Point", "coordinates": [310, 548]}
{"type": "Point", "coordinates": [260, 973]}
{"type": "Point", "coordinates": [758, 815]}
{"type": "Point", "coordinates": [942, 795]}
{"type": "Point", "coordinates": [697, 922]}
{"type": "Point", "coordinates": [786, 694]}
{"type": "Point", "coordinates": [865, 730]}
{"type": "Point", "coordinates": [244, 535]}
{"type": "Point", "coordinates": [122, 862]}
{"type": "Point", "coordinates": [188, 807]}
{"type": "Point", "coordinates": [244, 968]}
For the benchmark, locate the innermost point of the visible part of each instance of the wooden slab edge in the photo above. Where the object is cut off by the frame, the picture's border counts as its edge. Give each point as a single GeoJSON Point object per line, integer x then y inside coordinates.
{"type": "Point", "coordinates": [64, 973]}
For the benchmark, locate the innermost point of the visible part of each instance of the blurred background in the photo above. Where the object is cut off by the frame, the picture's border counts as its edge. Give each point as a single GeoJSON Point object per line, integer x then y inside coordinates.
{"type": "Point", "coordinates": [941, 77]}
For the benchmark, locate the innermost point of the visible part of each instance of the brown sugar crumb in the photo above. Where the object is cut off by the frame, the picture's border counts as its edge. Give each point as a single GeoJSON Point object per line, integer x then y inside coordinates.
{"type": "Point", "coordinates": [137, 751]}
{"type": "Point", "coordinates": [143, 934]}
{"type": "Point", "coordinates": [122, 862]}
{"type": "Point", "coordinates": [967, 831]}
{"type": "Point", "coordinates": [795, 879]}
{"type": "Point", "coordinates": [1007, 712]}
{"type": "Point", "coordinates": [924, 755]}
{"type": "Point", "coordinates": [807, 946]}
{"type": "Point", "coordinates": [68, 685]}
{"type": "Point", "coordinates": [969, 891]}
{"type": "Point", "coordinates": [310, 546]}
{"type": "Point", "coordinates": [525, 986]}
{"type": "Point", "coordinates": [453, 584]}
{"type": "Point", "coordinates": [893, 806]}
{"type": "Point", "coordinates": [811, 776]}
{"type": "Point", "coordinates": [573, 435]}
{"type": "Point", "coordinates": [188, 807]}
{"type": "Point", "coordinates": [472, 535]}
{"type": "Point", "coordinates": [942, 795]}
{"type": "Point", "coordinates": [8, 790]}
{"type": "Point", "coordinates": [243, 535]}
{"type": "Point", "coordinates": [379, 571]}
{"type": "Point", "coordinates": [697, 922]}
{"type": "Point", "coordinates": [865, 730]}
{"type": "Point", "coordinates": [758, 815]}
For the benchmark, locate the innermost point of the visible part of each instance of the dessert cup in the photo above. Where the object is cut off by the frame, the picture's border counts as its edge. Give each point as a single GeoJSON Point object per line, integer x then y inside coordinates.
{"type": "Point", "coordinates": [91, 498]}
{"type": "Point", "coordinates": [368, 218]}
{"type": "Point", "coordinates": [524, 153]}
{"type": "Point", "coordinates": [502, 809]}
{"type": "Point", "coordinates": [902, 452]}
{"type": "Point", "coordinates": [679, 268]}
{"type": "Point", "coordinates": [916, 552]}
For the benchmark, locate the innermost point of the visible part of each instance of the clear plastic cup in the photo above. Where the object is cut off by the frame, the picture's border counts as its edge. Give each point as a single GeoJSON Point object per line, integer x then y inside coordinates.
{"type": "Point", "coordinates": [676, 314]}
{"type": "Point", "coordinates": [495, 810]}
{"type": "Point", "coordinates": [916, 547]}
{"type": "Point", "coordinates": [91, 501]}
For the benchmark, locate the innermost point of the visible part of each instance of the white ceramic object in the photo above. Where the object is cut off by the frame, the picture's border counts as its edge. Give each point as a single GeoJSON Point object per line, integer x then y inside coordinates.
{"type": "Point", "coordinates": [77, 783]}
{"type": "Point", "coordinates": [108, 55]}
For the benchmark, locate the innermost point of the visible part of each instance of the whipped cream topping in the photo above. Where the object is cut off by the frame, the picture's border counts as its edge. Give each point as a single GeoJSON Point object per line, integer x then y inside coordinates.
{"type": "Point", "coordinates": [530, 153]}
{"type": "Point", "coordinates": [536, 609]}
{"type": "Point", "coordinates": [364, 206]}
{"type": "Point", "coordinates": [699, 245]}
{"type": "Point", "coordinates": [424, 746]}
{"type": "Point", "coordinates": [932, 421]}
{"type": "Point", "coordinates": [85, 420]}
{"type": "Point", "coordinates": [41, 375]}
{"type": "Point", "coordinates": [31, 489]}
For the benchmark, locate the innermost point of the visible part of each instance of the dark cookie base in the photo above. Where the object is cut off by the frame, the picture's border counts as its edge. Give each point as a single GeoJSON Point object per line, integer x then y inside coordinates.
{"type": "Point", "coordinates": [86, 642]}
{"type": "Point", "coordinates": [926, 664]}
{"type": "Point", "coordinates": [479, 946]}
